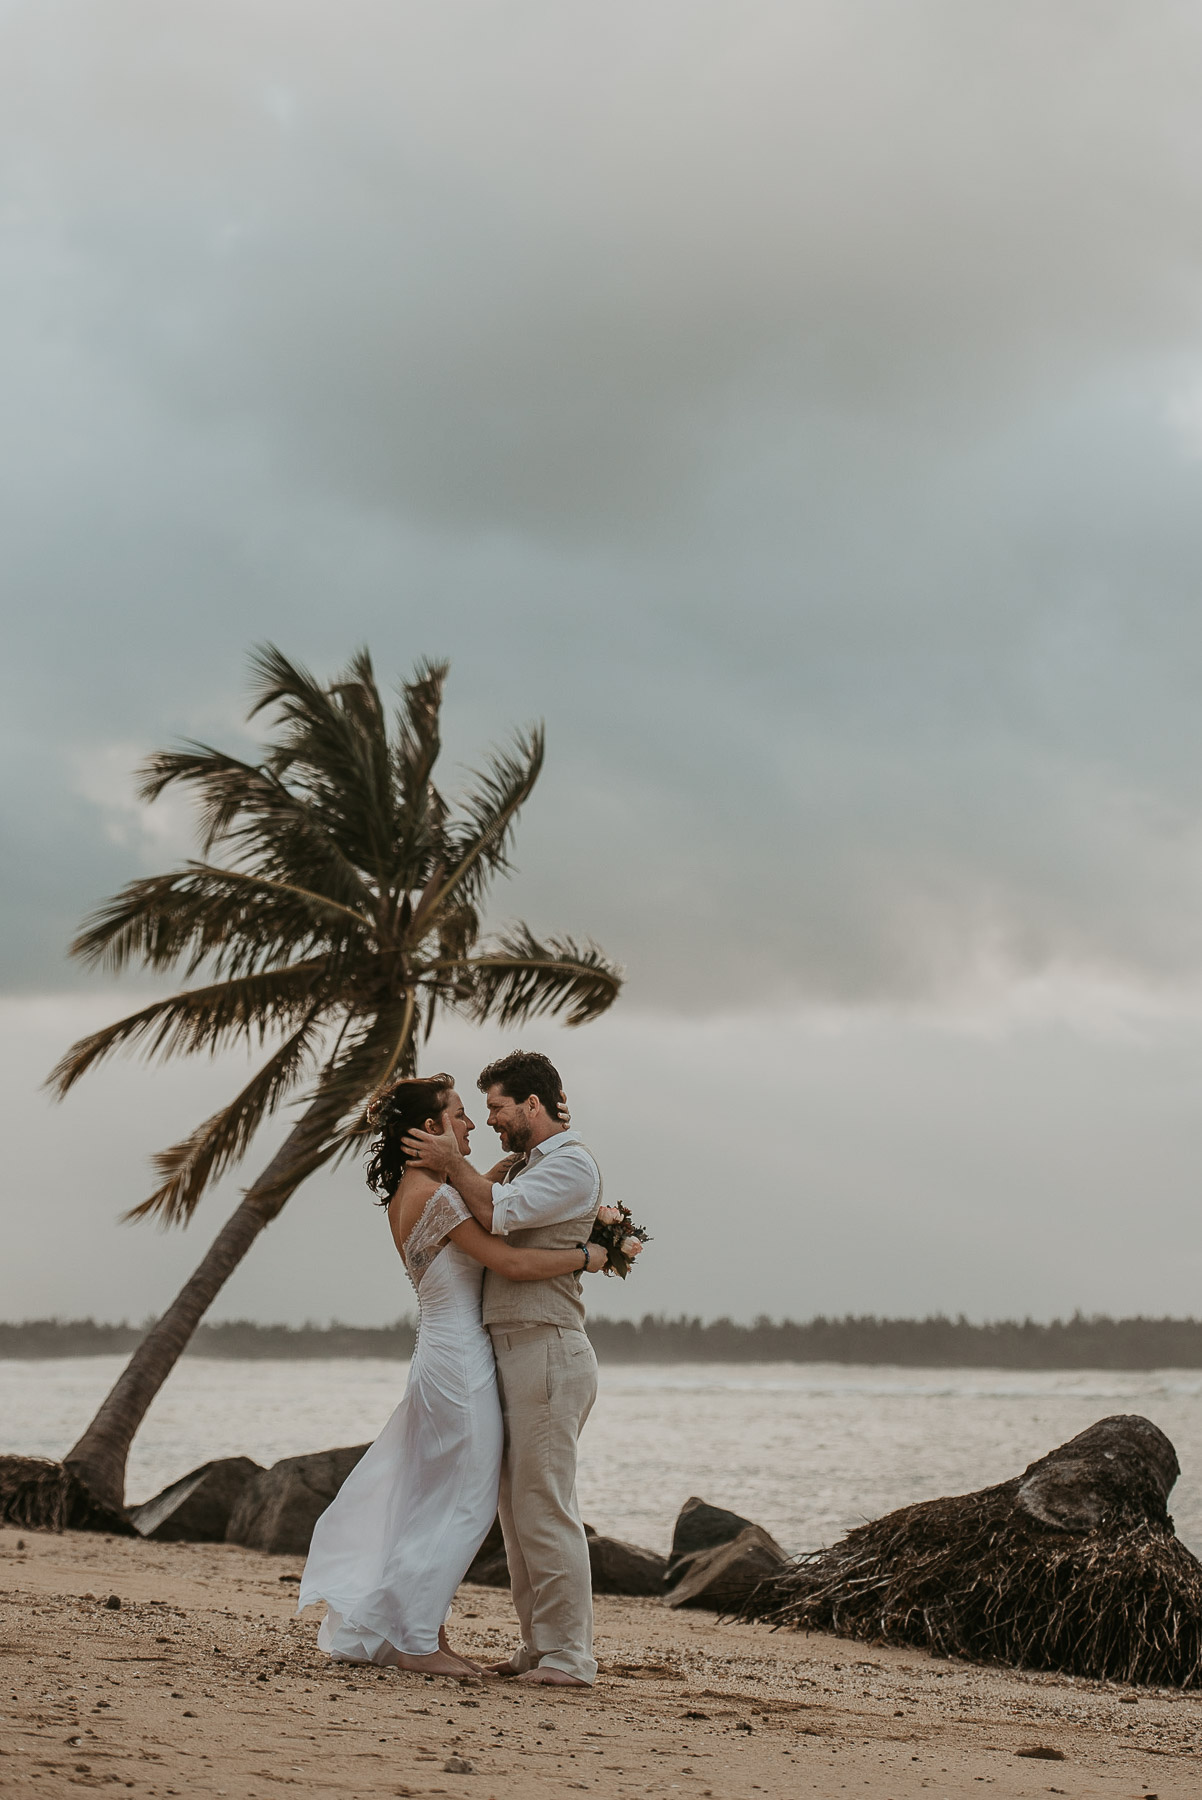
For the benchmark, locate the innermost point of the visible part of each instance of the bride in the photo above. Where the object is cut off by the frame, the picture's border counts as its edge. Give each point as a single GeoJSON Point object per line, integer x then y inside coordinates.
{"type": "Point", "coordinates": [394, 1544]}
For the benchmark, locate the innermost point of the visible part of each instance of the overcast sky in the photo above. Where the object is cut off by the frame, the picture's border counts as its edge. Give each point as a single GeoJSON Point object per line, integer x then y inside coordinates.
{"type": "Point", "coordinates": [796, 405]}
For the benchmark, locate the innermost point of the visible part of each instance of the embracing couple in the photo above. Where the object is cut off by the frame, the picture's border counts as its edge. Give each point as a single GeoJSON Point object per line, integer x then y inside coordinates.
{"type": "Point", "coordinates": [503, 1377]}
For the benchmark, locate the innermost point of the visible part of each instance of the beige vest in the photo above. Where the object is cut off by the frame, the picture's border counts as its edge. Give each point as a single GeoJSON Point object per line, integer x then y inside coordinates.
{"type": "Point", "coordinates": [559, 1300]}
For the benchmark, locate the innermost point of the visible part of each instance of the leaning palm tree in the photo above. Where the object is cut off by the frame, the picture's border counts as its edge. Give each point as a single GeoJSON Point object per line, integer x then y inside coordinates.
{"type": "Point", "coordinates": [334, 913]}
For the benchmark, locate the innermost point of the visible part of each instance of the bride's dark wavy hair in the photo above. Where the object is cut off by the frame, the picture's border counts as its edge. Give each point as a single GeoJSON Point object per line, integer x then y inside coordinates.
{"type": "Point", "coordinates": [402, 1107]}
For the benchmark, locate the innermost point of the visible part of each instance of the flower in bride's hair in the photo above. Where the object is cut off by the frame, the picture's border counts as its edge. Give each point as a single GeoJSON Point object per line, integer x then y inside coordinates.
{"type": "Point", "coordinates": [631, 1246]}
{"type": "Point", "coordinates": [608, 1215]}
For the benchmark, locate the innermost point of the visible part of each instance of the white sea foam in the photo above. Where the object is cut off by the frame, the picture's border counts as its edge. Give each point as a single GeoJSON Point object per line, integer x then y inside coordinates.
{"type": "Point", "coordinates": [807, 1449]}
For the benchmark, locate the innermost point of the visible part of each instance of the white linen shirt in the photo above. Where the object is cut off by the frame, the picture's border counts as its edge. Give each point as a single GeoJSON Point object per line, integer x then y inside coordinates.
{"type": "Point", "coordinates": [560, 1181]}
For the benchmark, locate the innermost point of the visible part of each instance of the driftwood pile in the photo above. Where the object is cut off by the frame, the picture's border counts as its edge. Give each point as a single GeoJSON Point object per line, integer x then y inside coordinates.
{"type": "Point", "coordinates": [45, 1496]}
{"type": "Point", "coordinates": [1073, 1565]}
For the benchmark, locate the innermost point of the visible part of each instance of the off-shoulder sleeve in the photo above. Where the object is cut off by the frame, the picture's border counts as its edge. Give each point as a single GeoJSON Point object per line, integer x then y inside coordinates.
{"type": "Point", "coordinates": [440, 1215]}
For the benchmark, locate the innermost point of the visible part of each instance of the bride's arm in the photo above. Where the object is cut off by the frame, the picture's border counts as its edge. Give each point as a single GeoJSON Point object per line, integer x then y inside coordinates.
{"type": "Point", "coordinates": [500, 1169]}
{"type": "Point", "coordinates": [525, 1265]}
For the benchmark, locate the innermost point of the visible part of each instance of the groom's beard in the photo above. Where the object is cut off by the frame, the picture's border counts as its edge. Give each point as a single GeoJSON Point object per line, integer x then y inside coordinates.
{"type": "Point", "coordinates": [517, 1138]}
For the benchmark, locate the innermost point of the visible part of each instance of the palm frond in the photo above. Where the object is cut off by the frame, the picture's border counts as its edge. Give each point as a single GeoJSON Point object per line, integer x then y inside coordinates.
{"type": "Point", "coordinates": [418, 740]}
{"type": "Point", "coordinates": [239, 919]}
{"type": "Point", "coordinates": [297, 696]}
{"type": "Point", "coordinates": [210, 1018]}
{"type": "Point", "coordinates": [227, 786]}
{"type": "Point", "coordinates": [278, 831]}
{"type": "Point", "coordinates": [480, 848]}
{"type": "Point", "coordinates": [189, 1167]}
{"type": "Point", "coordinates": [247, 881]}
{"type": "Point", "coordinates": [359, 698]}
{"type": "Point", "coordinates": [333, 747]}
{"type": "Point", "coordinates": [421, 809]}
{"type": "Point", "coordinates": [519, 977]}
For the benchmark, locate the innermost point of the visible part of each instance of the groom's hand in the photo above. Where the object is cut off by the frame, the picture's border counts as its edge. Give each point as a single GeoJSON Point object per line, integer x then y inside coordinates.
{"type": "Point", "coordinates": [500, 1170]}
{"type": "Point", "coordinates": [438, 1154]}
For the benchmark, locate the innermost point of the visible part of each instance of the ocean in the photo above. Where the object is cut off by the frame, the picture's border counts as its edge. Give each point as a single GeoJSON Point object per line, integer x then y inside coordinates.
{"type": "Point", "coordinates": [806, 1449]}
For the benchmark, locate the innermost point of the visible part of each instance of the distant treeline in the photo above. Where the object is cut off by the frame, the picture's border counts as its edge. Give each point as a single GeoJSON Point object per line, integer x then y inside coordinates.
{"type": "Point", "coordinates": [1076, 1343]}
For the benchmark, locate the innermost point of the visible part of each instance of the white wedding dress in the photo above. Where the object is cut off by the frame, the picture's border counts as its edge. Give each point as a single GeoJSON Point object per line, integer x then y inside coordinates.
{"type": "Point", "coordinates": [395, 1542]}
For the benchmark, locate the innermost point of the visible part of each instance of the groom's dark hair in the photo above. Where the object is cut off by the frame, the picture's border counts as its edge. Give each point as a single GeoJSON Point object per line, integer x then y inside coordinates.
{"type": "Point", "coordinates": [522, 1073]}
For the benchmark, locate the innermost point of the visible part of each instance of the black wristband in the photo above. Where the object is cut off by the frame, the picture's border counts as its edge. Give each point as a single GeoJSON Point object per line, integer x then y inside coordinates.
{"type": "Point", "coordinates": [584, 1264]}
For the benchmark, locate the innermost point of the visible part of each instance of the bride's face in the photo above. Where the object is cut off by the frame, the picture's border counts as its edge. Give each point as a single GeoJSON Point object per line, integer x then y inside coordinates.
{"type": "Point", "coordinates": [455, 1120]}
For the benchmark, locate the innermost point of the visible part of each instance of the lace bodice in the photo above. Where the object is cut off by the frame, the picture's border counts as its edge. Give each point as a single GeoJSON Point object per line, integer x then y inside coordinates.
{"type": "Point", "coordinates": [439, 1217]}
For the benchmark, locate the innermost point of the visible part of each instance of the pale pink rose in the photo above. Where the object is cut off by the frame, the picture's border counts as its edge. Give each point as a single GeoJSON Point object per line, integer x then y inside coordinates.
{"type": "Point", "coordinates": [608, 1215]}
{"type": "Point", "coordinates": [631, 1246]}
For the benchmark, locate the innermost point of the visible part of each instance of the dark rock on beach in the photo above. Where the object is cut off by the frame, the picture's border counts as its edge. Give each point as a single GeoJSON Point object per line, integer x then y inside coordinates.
{"type": "Point", "coordinates": [617, 1567]}
{"type": "Point", "coordinates": [197, 1507]}
{"type": "Point", "coordinates": [278, 1508]}
{"type": "Point", "coordinates": [1073, 1565]}
{"type": "Point", "coordinates": [725, 1577]}
{"type": "Point", "coordinates": [700, 1526]}
{"type": "Point", "coordinates": [621, 1568]}
{"type": "Point", "coordinates": [490, 1567]}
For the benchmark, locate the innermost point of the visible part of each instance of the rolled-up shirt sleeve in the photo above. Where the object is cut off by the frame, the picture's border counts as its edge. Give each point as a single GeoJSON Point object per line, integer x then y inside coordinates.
{"type": "Point", "coordinates": [561, 1186]}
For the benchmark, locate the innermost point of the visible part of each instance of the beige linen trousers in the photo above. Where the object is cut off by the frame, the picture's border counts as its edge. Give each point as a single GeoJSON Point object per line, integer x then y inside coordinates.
{"type": "Point", "coordinates": [547, 1375]}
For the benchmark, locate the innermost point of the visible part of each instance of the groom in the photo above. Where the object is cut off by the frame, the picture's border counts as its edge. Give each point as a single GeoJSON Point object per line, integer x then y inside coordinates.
{"type": "Point", "coordinates": [546, 1369]}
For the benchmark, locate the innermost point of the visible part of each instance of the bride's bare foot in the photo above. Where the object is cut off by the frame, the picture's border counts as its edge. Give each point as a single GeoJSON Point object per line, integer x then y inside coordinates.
{"type": "Point", "coordinates": [473, 1668]}
{"type": "Point", "coordinates": [470, 1667]}
{"type": "Point", "coordinates": [440, 1662]}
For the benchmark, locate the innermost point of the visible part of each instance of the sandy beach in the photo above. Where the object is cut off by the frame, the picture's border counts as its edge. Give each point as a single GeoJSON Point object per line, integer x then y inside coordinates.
{"type": "Point", "coordinates": [203, 1681]}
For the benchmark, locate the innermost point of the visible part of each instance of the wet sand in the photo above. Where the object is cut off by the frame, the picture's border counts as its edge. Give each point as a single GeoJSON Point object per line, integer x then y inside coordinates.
{"type": "Point", "coordinates": [205, 1682]}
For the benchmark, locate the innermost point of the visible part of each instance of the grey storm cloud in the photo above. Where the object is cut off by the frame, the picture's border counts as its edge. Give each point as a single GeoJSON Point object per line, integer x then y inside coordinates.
{"type": "Point", "coordinates": [534, 267]}
{"type": "Point", "coordinates": [798, 405]}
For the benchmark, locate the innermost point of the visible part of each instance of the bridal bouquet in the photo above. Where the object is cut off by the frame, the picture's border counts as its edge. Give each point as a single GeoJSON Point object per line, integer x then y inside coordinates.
{"type": "Point", "coordinates": [623, 1239]}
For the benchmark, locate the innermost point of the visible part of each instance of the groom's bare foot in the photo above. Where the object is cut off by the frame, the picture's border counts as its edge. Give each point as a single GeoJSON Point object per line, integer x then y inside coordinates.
{"type": "Point", "coordinates": [541, 1677]}
{"type": "Point", "coordinates": [505, 1669]}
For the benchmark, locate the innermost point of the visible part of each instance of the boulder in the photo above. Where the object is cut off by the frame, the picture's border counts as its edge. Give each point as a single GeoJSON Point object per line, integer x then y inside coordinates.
{"type": "Point", "coordinates": [491, 1573]}
{"type": "Point", "coordinates": [617, 1568]}
{"type": "Point", "coordinates": [724, 1578]}
{"type": "Point", "coordinates": [490, 1568]}
{"type": "Point", "coordinates": [198, 1505]}
{"type": "Point", "coordinates": [700, 1526]}
{"type": "Point", "coordinates": [621, 1568]}
{"type": "Point", "coordinates": [278, 1509]}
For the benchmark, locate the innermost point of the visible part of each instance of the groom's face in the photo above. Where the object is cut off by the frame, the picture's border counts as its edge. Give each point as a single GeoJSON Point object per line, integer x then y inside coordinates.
{"type": "Point", "coordinates": [512, 1120]}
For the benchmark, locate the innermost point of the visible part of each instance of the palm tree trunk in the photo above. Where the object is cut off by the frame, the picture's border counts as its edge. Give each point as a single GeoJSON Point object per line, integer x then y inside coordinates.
{"type": "Point", "coordinates": [98, 1460]}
